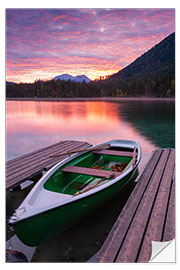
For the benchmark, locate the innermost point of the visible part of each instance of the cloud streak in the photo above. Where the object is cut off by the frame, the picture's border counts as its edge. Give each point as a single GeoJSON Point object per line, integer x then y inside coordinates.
{"type": "Point", "coordinates": [94, 42]}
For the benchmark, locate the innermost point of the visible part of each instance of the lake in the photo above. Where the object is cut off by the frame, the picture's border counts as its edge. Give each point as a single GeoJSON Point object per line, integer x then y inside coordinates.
{"type": "Point", "coordinates": [34, 124]}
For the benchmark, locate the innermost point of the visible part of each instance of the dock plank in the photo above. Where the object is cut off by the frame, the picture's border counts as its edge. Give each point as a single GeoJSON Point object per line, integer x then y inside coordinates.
{"type": "Point", "coordinates": [25, 167]}
{"type": "Point", "coordinates": [148, 214]}
{"type": "Point", "coordinates": [15, 165]}
{"type": "Point", "coordinates": [158, 216]}
{"type": "Point", "coordinates": [132, 242]}
{"type": "Point", "coordinates": [169, 228]}
{"type": "Point", "coordinates": [117, 235]}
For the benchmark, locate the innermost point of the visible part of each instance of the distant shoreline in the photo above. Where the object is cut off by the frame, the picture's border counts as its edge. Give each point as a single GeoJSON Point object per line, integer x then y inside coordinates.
{"type": "Point", "coordinates": [94, 99]}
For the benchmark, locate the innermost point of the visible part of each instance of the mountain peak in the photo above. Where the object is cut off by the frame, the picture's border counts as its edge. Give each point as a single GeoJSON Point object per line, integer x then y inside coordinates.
{"type": "Point", "coordinates": [66, 77]}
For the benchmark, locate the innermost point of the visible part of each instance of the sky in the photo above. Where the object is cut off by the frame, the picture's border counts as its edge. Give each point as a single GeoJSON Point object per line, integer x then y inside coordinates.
{"type": "Point", "coordinates": [44, 43]}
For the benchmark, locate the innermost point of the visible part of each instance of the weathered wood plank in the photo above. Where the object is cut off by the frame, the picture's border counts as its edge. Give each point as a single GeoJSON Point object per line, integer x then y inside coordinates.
{"type": "Point", "coordinates": [21, 168]}
{"type": "Point", "coordinates": [113, 153]}
{"type": "Point", "coordinates": [169, 230]}
{"type": "Point", "coordinates": [42, 154]}
{"type": "Point", "coordinates": [148, 215]}
{"type": "Point", "coordinates": [36, 165]}
{"type": "Point", "coordinates": [89, 171]}
{"type": "Point", "coordinates": [12, 164]}
{"type": "Point", "coordinates": [130, 247]}
{"type": "Point", "coordinates": [35, 152]}
{"type": "Point", "coordinates": [111, 246]}
{"type": "Point", "coordinates": [157, 219]}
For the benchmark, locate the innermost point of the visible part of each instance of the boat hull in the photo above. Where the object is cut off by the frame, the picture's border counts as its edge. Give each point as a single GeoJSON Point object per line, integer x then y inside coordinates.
{"type": "Point", "coordinates": [39, 228]}
{"type": "Point", "coordinates": [55, 204]}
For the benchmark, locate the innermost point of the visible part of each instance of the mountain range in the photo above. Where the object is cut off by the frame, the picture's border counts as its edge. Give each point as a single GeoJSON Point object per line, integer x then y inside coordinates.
{"type": "Point", "coordinates": [67, 77]}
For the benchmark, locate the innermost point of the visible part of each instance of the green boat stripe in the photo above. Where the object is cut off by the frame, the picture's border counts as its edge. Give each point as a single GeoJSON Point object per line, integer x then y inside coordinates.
{"type": "Point", "coordinates": [78, 199]}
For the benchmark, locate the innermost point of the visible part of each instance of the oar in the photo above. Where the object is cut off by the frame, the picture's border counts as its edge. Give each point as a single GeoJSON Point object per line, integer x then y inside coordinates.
{"type": "Point", "coordinates": [104, 146]}
{"type": "Point", "coordinates": [95, 184]}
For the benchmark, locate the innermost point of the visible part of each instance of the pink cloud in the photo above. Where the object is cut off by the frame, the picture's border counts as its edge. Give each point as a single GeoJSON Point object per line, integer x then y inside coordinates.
{"type": "Point", "coordinates": [77, 39]}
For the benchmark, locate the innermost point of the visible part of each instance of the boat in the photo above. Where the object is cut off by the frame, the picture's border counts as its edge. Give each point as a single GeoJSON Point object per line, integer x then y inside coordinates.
{"type": "Point", "coordinates": [73, 188]}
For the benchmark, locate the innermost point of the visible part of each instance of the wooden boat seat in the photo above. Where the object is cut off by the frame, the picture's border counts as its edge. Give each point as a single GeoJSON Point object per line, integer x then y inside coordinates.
{"type": "Point", "coordinates": [114, 153]}
{"type": "Point", "coordinates": [89, 171]}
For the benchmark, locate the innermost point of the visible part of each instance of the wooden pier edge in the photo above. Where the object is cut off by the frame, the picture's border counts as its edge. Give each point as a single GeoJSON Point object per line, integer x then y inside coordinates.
{"type": "Point", "coordinates": [33, 164]}
{"type": "Point", "coordinates": [148, 215]}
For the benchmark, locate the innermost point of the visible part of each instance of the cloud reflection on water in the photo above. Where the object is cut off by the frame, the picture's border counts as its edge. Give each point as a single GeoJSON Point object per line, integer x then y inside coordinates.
{"type": "Point", "coordinates": [35, 124]}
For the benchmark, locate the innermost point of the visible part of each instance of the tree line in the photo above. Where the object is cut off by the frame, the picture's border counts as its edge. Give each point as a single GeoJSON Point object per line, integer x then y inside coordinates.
{"type": "Point", "coordinates": [53, 89]}
{"type": "Point", "coordinates": [158, 86]}
{"type": "Point", "coordinates": [162, 86]}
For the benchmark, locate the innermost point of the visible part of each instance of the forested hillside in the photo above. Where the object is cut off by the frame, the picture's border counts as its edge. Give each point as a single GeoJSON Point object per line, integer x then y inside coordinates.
{"type": "Point", "coordinates": [152, 74]}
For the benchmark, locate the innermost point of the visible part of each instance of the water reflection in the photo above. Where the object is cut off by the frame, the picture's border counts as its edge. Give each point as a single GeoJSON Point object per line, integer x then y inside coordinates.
{"type": "Point", "coordinates": [155, 120]}
{"type": "Point", "coordinates": [35, 124]}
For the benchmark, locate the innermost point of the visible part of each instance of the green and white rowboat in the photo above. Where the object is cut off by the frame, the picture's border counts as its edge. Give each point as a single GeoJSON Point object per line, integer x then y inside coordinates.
{"type": "Point", "coordinates": [73, 188]}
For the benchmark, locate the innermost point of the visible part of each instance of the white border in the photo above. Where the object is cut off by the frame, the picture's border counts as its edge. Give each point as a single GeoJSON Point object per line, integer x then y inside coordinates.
{"type": "Point", "coordinates": [74, 4]}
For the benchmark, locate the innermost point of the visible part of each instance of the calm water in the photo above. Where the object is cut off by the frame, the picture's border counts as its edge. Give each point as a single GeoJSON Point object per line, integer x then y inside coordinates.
{"type": "Point", "coordinates": [35, 124]}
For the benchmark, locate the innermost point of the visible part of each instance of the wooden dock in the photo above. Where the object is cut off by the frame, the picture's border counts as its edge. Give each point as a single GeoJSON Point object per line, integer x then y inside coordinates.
{"type": "Point", "coordinates": [33, 164]}
{"type": "Point", "coordinates": [148, 215]}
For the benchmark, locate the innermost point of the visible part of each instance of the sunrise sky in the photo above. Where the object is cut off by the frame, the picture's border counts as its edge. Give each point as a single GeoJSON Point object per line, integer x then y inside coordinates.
{"type": "Point", "coordinates": [44, 43]}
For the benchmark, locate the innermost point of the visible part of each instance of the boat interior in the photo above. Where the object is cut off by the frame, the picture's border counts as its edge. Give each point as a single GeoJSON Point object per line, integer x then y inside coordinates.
{"type": "Point", "coordinates": [90, 169]}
